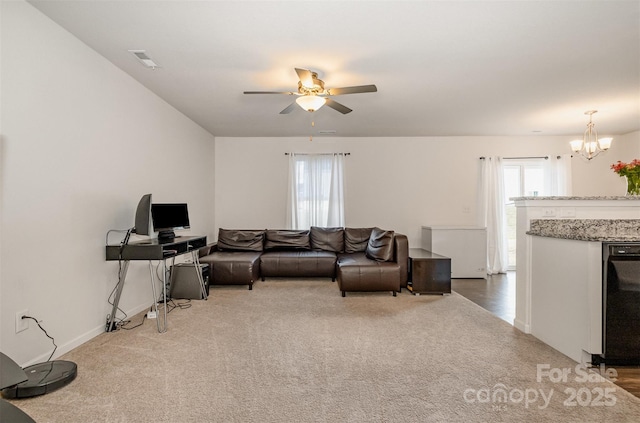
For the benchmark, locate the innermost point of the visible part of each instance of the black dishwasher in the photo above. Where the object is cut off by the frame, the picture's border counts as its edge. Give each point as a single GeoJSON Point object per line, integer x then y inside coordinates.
{"type": "Point", "coordinates": [621, 303]}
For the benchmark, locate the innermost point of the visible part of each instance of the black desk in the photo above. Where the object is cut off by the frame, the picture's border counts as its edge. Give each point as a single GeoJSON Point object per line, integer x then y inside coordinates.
{"type": "Point", "coordinates": [152, 249]}
{"type": "Point", "coordinates": [148, 250]}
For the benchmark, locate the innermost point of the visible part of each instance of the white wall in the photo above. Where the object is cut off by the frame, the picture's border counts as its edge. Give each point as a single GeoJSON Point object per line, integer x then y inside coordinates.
{"type": "Point", "coordinates": [82, 142]}
{"type": "Point", "coordinates": [394, 183]}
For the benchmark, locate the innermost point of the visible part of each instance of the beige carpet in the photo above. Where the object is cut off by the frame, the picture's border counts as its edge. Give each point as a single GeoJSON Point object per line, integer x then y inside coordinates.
{"type": "Point", "coordinates": [296, 351]}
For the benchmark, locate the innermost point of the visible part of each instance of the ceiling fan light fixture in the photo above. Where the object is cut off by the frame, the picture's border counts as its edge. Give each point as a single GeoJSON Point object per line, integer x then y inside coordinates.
{"type": "Point", "coordinates": [312, 95]}
{"type": "Point", "coordinates": [310, 103]}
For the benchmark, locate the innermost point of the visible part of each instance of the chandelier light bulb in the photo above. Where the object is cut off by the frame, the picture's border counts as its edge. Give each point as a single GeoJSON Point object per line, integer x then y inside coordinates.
{"type": "Point", "coordinates": [605, 143]}
{"type": "Point", "coordinates": [576, 145]}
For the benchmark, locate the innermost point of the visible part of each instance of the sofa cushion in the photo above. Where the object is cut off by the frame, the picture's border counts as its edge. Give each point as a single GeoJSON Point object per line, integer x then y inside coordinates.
{"type": "Point", "coordinates": [240, 240]}
{"type": "Point", "coordinates": [380, 246]}
{"type": "Point", "coordinates": [287, 239]}
{"type": "Point", "coordinates": [327, 239]}
{"type": "Point", "coordinates": [298, 263]}
{"type": "Point", "coordinates": [356, 239]}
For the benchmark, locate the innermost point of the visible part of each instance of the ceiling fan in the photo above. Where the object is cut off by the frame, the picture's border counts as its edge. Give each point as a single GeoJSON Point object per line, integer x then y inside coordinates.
{"type": "Point", "coordinates": [312, 94]}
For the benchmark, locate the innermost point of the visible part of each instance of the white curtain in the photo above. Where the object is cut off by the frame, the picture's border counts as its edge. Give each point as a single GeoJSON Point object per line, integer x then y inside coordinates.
{"type": "Point", "coordinates": [492, 214]}
{"type": "Point", "coordinates": [315, 191]}
{"type": "Point", "coordinates": [559, 171]}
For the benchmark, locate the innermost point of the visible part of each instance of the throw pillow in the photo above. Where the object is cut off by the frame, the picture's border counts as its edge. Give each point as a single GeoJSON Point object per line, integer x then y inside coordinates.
{"type": "Point", "coordinates": [380, 246]}
{"type": "Point", "coordinates": [356, 239]}
{"type": "Point", "coordinates": [240, 240]}
{"type": "Point", "coordinates": [327, 239]}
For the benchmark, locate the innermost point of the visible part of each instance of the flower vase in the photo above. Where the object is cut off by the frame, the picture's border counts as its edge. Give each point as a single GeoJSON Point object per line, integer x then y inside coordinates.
{"type": "Point", "coordinates": [633, 184]}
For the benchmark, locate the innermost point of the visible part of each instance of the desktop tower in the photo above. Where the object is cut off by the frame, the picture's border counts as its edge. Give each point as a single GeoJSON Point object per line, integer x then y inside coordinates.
{"type": "Point", "coordinates": [185, 283]}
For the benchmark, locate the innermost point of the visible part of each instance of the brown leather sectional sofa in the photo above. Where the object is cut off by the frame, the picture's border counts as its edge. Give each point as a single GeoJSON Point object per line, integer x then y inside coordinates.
{"type": "Point", "coordinates": [360, 259]}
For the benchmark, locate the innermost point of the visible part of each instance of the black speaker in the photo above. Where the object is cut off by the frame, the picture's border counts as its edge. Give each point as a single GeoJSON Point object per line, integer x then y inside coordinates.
{"type": "Point", "coordinates": [185, 283]}
{"type": "Point", "coordinates": [143, 216]}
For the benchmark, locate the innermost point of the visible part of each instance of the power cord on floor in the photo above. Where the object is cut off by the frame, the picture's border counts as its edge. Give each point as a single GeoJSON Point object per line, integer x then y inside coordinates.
{"type": "Point", "coordinates": [123, 324]}
{"type": "Point", "coordinates": [55, 347]}
{"type": "Point", "coordinates": [171, 305]}
{"type": "Point", "coordinates": [184, 305]}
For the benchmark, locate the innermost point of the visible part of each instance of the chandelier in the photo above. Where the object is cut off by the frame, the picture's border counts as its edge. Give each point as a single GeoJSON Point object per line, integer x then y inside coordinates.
{"type": "Point", "coordinates": [590, 146]}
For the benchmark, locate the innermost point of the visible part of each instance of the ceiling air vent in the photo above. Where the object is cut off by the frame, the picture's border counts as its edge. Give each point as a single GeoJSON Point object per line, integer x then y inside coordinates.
{"type": "Point", "coordinates": [326, 132]}
{"type": "Point", "coordinates": [141, 55]}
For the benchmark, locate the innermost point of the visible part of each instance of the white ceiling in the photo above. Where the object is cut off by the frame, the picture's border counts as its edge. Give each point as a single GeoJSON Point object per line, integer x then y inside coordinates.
{"type": "Point", "coordinates": [441, 67]}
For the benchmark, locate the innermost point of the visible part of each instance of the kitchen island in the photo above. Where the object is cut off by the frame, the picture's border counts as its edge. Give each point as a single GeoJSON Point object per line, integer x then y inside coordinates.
{"type": "Point", "coordinates": [566, 280]}
{"type": "Point", "coordinates": [530, 208]}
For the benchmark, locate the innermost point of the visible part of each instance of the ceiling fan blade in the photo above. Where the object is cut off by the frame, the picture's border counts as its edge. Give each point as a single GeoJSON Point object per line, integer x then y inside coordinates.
{"type": "Point", "coordinates": [270, 92]}
{"type": "Point", "coordinates": [337, 106]}
{"type": "Point", "coordinates": [305, 77]}
{"type": "Point", "coordinates": [353, 90]}
{"type": "Point", "coordinates": [289, 108]}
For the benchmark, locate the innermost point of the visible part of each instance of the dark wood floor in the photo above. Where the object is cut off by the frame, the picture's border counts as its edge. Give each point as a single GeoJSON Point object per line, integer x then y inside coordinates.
{"type": "Point", "coordinates": [497, 294]}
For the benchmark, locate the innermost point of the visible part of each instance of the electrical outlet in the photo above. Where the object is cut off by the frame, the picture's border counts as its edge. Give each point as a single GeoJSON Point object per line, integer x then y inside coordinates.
{"type": "Point", "coordinates": [22, 324]}
{"type": "Point", "coordinates": [548, 212]}
{"type": "Point", "coordinates": [151, 314]}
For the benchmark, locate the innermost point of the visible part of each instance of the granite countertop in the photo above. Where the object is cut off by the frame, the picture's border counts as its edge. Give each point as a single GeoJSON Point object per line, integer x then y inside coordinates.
{"type": "Point", "coordinates": [599, 230]}
{"type": "Point", "coordinates": [622, 198]}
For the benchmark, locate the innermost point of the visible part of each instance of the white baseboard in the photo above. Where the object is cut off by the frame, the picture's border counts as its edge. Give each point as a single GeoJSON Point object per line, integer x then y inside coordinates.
{"type": "Point", "coordinates": [85, 337]}
{"type": "Point", "coordinates": [520, 325]}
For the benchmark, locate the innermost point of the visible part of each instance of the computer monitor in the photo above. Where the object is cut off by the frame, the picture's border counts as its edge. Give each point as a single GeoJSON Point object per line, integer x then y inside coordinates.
{"type": "Point", "coordinates": [169, 217]}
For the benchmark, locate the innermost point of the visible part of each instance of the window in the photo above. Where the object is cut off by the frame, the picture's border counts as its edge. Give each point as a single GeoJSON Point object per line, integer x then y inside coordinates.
{"type": "Point", "coordinates": [522, 178]}
{"type": "Point", "coordinates": [316, 190]}
{"type": "Point", "coordinates": [505, 178]}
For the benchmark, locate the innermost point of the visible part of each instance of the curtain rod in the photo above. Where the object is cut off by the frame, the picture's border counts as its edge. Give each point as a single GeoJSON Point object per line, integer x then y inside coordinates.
{"type": "Point", "coordinates": [522, 158]}
{"type": "Point", "coordinates": [319, 154]}
{"type": "Point", "coordinates": [541, 157]}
